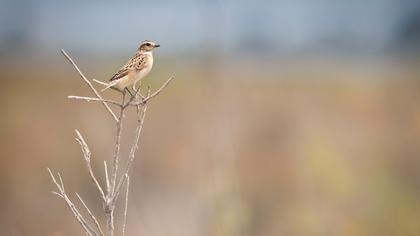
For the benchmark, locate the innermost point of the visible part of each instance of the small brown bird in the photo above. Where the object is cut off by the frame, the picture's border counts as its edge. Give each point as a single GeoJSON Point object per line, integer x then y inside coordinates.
{"type": "Point", "coordinates": [135, 69]}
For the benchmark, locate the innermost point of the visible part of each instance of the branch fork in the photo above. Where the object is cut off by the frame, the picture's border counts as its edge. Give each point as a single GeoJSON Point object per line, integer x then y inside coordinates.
{"type": "Point", "coordinates": [113, 184]}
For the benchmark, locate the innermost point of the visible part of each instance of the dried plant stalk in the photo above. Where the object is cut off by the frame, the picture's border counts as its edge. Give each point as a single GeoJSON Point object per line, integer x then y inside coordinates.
{"type": "Point", "coordinates": [113, 183]}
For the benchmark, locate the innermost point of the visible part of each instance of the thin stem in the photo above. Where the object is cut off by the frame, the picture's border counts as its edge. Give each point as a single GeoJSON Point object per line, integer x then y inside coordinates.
{"type": "Point", "coordinates": [109, 215]}
{"type": "Point", "coordinates": [117, 146]}
{"type": "Point", "coordinates": [98, 227]}
{"type": "Point", "coordinates": [88, 99]}
{"type": "Point", "coordinates": [106, 178]}
{"type": "Point", "coordinates": [143, 101]}
{"type": "Point", "coordinates": [89, 84]}
{"type": "Point", "coordinates": [110, 205]}
{"type": "Point", "coordinates": [134, 147]}
{"type": "Point", "coordinates": [62, 193]}
{"type": "Point", "coordinates": [87, 155]}
{"type": "Point", "coordinates": [126, 204]}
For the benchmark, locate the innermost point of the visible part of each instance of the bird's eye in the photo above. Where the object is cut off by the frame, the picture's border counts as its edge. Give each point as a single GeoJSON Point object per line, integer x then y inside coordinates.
{"type": "Point", "coordinates": [148, 44]}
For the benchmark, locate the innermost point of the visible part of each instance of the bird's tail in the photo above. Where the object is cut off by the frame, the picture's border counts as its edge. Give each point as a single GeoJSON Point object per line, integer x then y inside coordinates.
{"type": "Point", "coordinates": [110, 85]}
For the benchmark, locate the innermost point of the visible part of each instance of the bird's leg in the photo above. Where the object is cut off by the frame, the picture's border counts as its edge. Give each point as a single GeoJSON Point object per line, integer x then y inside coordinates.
{"type": "Point", "coordinates": [117, 89]}
{"type": "Point", "coordinates": [122, 91]}
{"type": "Point", "coordinates": [128, 90]}
{"type": "Point", "coordinates": [138, 111]}
{"type": "Point", "coordinates": [123, 97]}
{"type": "Point", "coordinates": [134, 86]}
{"type": "Point", "coordinates": [137, 90]}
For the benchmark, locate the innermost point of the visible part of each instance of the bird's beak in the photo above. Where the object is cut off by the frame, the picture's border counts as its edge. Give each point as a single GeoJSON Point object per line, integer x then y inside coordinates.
{"type": "Point", "coordinates": [157, 45]}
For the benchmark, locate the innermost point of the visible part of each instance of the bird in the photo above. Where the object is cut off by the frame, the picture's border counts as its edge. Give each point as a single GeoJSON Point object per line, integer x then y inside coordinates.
{"type": "Point", "coordinates": [135, 69]}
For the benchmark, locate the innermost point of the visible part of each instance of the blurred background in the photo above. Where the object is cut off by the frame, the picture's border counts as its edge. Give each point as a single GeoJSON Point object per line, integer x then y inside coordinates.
{"type": "Point", "coordinates": [285, 118]}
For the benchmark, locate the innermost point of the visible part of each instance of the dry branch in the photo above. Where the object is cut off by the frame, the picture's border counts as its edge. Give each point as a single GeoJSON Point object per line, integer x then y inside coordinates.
{"type": "Point", "coordinates": [143, 101]}
{"type": "Point", "coordinates": [86, 155]}
{"type": "Point", "coordinates": [62, 193]}
{"type": "Point", "coordinates": [134, 147]}
{"type": "Point", "coordinates": [126, 204]}
{"type": "Point", "coordinates": [98, 227]}
{"type": "Point", "coordinates": [113, 186]}
{"type": "Point", "coordinates": [89, 84]}
{"type": "Point", "coordinates": [107, 178]}
{"type": "Point", "coordinates": [88, 99]}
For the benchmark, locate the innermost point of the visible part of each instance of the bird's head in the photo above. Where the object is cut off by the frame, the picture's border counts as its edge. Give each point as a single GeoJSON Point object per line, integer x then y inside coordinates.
{"type": "Point", "coordinates": [147, 46]}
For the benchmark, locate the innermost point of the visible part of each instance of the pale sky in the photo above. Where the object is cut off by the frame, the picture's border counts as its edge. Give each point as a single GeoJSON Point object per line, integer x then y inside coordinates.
{"type": "Point", "coordinates": [193, 25]}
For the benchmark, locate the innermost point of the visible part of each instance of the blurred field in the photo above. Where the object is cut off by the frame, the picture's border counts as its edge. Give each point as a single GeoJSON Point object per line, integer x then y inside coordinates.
{"type": "Point", "coordinates": [288, 148]}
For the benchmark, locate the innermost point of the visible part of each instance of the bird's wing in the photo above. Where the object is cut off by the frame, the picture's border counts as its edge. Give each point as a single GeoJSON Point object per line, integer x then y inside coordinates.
{"type": "Point", "coordinates": [121, 73]}
{"type": "Point", "coordinates": [135, 63]}
{"type": "Point", "coordinates": [140, 63]}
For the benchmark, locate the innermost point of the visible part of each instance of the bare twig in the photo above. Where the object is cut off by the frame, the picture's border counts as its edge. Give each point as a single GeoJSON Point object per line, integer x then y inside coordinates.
{"type": "Point", "coordinates": [126, 204]}
{"type": "Point", "coordinates": [98, 227]}
{"type": "Point", "coordinates": [143, 101]}
{"type": "Point", "coordinates": [60, 186]}
{"type": "Point", "coordinates": [88, 99]}
{"type": "Point", "coordinates": [106, 85]}
{"type": "Point", "coordinates": [89, 84]}
{"type": "Point", "coordinates": [117, 145]}
{"type": "Point", "coordinates": [61, 182]}
{"type": "Point", "coordinates": [110, 204]}
{"type": "Point", "coordinates": [109, 215]}
{"type": "Point", "coordinates": [100, 82]}
{"type": "Point", "coordinates": [106, 178]}
{"type": "Point", "coordinates": [86, 155]}
{"type": "Point", "coordinates": [133, 97]}
{"type": "Point", "coordinates": [134, 147]}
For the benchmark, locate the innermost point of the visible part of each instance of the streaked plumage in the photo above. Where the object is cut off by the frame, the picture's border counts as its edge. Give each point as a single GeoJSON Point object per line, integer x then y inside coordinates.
{"type": "Point", "coordinates": [135, 69]}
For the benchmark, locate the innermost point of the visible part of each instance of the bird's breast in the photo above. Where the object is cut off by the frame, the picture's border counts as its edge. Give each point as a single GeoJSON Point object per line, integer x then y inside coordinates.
{"type": "Point", "coordinates": [143, 72]}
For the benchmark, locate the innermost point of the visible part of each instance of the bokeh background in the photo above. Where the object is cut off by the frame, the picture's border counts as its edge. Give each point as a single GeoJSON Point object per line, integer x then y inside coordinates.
{"type": "Point", "coordinates": [285, 118]}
